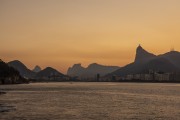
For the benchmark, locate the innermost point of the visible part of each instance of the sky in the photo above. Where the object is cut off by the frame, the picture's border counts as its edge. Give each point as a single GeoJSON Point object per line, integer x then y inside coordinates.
{"type": "Point", "coordinates": [60, 33]}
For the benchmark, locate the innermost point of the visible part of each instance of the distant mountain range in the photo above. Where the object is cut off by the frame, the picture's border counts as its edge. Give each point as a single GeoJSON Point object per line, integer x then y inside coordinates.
{"type": "Point", "coordinates": [145, 61]}
{"type": "Point", "coordinates": [36, 73]}
{"type": "Point", "coordinates": [91, 71]}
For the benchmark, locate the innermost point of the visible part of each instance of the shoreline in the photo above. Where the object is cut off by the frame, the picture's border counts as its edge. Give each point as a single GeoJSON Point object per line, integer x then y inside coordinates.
{"type": "Point", "coordinates": [122, 81]}
{"type": "Point", "coordinates": [133, 81]}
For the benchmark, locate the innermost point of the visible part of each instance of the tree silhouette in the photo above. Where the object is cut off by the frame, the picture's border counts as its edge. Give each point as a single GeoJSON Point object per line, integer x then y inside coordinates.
{"type": "Point", "coordinates": [9, 72]}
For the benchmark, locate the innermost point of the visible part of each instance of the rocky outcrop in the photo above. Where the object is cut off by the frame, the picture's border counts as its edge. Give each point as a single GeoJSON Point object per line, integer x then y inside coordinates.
{"type": "Point", "coordinates": [145, 61]}
{"type": "Point", "coordinates": [142, 55]}
{"type": "Point", "coordinates": [75, 70]}
{"type": "Point", "coordinates": [91, 71]}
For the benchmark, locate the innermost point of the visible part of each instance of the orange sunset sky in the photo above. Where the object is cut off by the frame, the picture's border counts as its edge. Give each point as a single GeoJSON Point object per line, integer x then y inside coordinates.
{"type": "Point", "coordinates": [59, 33]}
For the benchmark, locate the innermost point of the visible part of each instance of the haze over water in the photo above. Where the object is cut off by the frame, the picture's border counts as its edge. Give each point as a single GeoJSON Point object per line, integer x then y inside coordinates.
{"type": "Point", "coordinates": [87, 101]}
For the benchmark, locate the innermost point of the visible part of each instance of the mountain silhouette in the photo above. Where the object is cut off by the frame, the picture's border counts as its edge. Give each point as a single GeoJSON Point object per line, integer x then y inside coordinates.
{"type": "Point", "coordinates": [145, 61]}
{"type": "Point", "coordinates": [75, 70]}
{"type": "Point", "coordinates": [27, 73]}
{"type": "Point", "coordinates": [173, 57]}
{"type": "Point", "coordinates": [92, 70]}
{"type": "Point", "coordinates": [36, 69]}
{"type": "Point", "coordinates": [23, 70]}
{"type": "Point", "coordinates": [9, 75]}
{"type": "Point", "coordinates": [142, 55]}
{"type": "Point", "coordinates": [47, 72]}
{"type": "Point", "coordinates": [7, 71]}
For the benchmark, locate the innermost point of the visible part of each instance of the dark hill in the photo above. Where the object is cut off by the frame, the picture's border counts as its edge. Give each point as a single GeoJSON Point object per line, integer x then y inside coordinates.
{"type": "Point", "coordinates": [94, 69]}
{"type": "Point", "coordinates": [47, 72]}
{"type": "Point", "coordinates": [8, 75]}
{"type": "Point", "coordinates": [6, 71]}
{"type": "Point", "coordinates": [24, 71]}
{"type": "Point", "coordinates": [173, 57]}
{"type": "Point", "coordinates": [75, 70]}
{"type": "Point", "coordinates": [145, 61]}
{"type": "Point", "coordinates": [91, 71]}
{"type": "Point", "coordinates": [142, 55]}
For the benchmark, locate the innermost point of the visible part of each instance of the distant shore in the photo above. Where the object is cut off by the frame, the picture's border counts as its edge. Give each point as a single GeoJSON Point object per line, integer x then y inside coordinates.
{"type": "Point", "coordinates": [120, 81]}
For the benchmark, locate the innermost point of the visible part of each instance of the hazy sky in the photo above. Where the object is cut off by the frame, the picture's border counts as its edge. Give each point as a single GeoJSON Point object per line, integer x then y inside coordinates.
{"type": "Point", "coordinates": [59, 33]}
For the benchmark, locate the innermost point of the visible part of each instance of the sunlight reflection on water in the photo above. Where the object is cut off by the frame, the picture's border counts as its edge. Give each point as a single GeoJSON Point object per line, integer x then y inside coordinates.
{"type": "Point", "coordinates": [91, 101]}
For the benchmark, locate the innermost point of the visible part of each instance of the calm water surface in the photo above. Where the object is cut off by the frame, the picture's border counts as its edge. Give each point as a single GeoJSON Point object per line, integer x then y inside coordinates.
{"type": "Point", "coordinates": [90, 101]}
